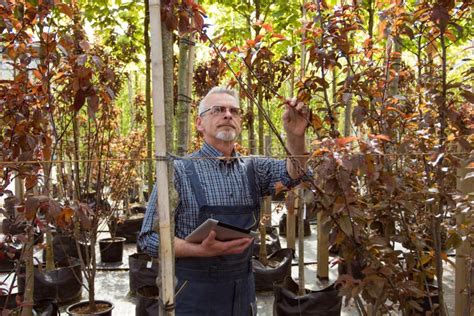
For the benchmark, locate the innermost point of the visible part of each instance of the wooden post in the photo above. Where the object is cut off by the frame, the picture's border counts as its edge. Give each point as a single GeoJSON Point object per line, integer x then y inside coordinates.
{"type": "Point", "coordinates": [19, 188]}
{"type": "Point", "coordinates": [299, 204]}
{"type": "Point", "coordinates": [165, 281]}
{"type": "Point", "coordinates": [463, 286]}
{"type": "Point", "coordinates": [290, 220]}
{"type": "Point", "coordinates": [323, 247]}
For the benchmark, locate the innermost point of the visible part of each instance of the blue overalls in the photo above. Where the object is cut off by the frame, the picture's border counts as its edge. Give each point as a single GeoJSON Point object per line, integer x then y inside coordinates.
{"type": "Point", "coordinates": [222, 285]}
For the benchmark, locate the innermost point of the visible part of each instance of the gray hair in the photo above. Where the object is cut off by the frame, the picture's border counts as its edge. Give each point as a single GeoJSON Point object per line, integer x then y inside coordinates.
{"type": "Point", "coordinates": [217, 90]}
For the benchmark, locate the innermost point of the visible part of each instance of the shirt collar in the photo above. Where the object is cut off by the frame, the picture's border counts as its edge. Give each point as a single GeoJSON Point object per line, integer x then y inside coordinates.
{"type": "Point", "coordinates": [210, 151]}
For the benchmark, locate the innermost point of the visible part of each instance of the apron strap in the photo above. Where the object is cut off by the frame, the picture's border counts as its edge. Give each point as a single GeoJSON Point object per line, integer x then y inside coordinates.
{"type": "Point", "coordinates": [250, 165]}
{"type": "Point", "coordinates": [195, 183]}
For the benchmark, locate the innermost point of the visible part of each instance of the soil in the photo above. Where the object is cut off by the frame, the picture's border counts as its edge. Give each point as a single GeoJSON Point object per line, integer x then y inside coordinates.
{"type": "Point", "coordinates": [84, 309]}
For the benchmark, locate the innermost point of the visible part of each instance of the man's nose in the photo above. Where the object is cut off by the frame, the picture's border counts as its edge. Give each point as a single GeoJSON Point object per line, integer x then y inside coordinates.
{"type": "Point", "coordinates": [227, 113]}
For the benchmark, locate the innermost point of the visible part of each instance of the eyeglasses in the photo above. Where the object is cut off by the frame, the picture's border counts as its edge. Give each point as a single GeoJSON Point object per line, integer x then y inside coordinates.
{"type": "Point", "coordinates": [221, 110]}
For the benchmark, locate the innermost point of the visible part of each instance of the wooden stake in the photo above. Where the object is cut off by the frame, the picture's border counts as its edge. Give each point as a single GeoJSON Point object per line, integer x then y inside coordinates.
{"type": "Point", "coordinates": [463, 278]}
{"type": "Point", "coordinates": [165, 281]}
{"type": "Point", "coordinates": [299, 204]}
{"type": "Point", "coordinates": [290, 220]}
{"type": "Point", "coordinates": [262, 255]}
{"type": "Point", "coordinates": [323, 247]}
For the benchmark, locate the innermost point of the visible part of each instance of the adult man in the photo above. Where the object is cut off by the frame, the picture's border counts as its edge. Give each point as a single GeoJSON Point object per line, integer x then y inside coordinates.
{"type": "Point", "coordinates": [215, 277]}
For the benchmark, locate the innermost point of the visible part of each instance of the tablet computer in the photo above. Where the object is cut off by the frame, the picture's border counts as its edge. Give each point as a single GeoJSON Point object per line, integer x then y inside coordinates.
{"type": "Point", "coordinates": [224, 232]}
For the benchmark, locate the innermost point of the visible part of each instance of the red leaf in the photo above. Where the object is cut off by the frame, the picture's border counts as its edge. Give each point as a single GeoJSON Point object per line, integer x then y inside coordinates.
{"type": "Point", "coordinates": [381, 137]}
{"type": "Point", "coordinates": [267, 27]}
{"type": "Point", "coordinates": [251, 43]}
{"type": "Point", "coordinates": [278, 35]}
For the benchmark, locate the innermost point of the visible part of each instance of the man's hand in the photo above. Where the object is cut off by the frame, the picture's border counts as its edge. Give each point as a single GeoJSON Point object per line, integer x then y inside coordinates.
{"type": "Point", "coordinates": [212, 247]}
{"type": "Point", "coordinates": [295, 117]}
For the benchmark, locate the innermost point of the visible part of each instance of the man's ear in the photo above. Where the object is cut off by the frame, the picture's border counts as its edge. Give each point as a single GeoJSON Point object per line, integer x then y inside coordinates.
{"type": "Point", "coordinates": [199, 126]}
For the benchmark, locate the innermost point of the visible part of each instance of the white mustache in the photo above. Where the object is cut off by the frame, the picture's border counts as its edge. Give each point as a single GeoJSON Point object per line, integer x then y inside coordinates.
{"type": "Point", "coordinates": [226, 125]}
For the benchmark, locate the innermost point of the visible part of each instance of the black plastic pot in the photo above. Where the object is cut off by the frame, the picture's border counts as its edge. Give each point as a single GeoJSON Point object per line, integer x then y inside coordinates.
{"type": "Point", "coordinates": [65, 250]}
{"type": "Point", "coordinates": [287, 302]}
{"type": "Point", "coordinates": [427, 307]}
{"type": "Point", "coordinates": [128, 228]}
{"type": "Point", "coordinates": [11, 303]}
{"type": "Point", "coordinates": [277, 270]}
{"type": "Point", "coordinates": [107, 312]}
{"type": "Point", "coordinates": [147, 303]}
{"type": "Point", "coordinates": [9, 254]}
{"type": "Point", "coordinates": [272, 242]}
{"type": "Point", "coordinates": [61, 285]}
{"type": "Point", "coordinates": [111, 249]}
{"type": "Point", "coordinates": [45, 308]}
{"type": "Point", "coordinates": [142, 271]}
{"type": "Point", "coordinates": [353, 268]}
{"type": "Point", "coordinates": [282, 226]}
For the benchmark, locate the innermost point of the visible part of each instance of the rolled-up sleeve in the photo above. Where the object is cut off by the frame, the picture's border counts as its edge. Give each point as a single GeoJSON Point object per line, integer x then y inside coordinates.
{"type": "Point", "coordinates": [269, 172]}
{"type": "Point", "coordinates": [148, 239]}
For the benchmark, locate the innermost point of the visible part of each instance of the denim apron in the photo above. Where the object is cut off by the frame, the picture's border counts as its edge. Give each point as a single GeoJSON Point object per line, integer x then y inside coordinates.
{"type": "Point", "coordinates": [222, 285]}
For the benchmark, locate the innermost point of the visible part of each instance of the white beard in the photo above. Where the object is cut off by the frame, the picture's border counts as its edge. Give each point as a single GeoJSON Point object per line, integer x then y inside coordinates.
{"type": "Point", "coordinates": [226, 136]}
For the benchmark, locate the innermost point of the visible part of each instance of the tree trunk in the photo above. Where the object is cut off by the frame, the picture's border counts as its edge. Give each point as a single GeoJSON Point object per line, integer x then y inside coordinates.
{"type": "Point", "coordinates": [182, 109]}
{"type": "Point", "coordinates": [27, 309]}
{"type": "Point", "coordinates": [149, 137]}
{"type": "Point", "coordinates": [49, 251]}
{"type": "Point", "coordinates": [250, 116]}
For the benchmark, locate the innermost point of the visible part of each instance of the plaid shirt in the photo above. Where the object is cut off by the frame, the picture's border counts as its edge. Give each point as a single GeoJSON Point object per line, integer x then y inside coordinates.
{"type": "Point", "coordinates": [224, 182]}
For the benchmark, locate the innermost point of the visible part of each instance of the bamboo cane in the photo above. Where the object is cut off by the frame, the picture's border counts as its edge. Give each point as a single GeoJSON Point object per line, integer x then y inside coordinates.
{"type": "Point", "coordinates": [166, 273]}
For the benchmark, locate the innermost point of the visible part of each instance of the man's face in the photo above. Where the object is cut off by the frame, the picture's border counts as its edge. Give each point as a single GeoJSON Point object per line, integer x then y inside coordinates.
{"type": "Point", "coordinates": [219, 125]}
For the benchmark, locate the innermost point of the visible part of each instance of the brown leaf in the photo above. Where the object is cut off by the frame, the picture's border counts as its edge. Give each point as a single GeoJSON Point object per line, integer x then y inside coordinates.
{"type": "Point", "coordinates": [64, 218]}
{"type": "Point", "coordinates": [440, 15]}
{"type": "Point", "coordinates": [84, 212]}
{"type": "Point", "coordinates": [316, 121]}
{"type": "Point", "coordinates": [93, 104]}
{"type": "Point", "coordinates": [54, 209]}
{"type": "Point", "coordinates": [359, 115]}
{"type": "Point", "coordinates": [66, 9]}
{"type": "Point", "coordinates": [85, 45]}
{"type": "Point", "coordinates": [32, 204]}
{"type": "Point", "coordinates": [468, 95]}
